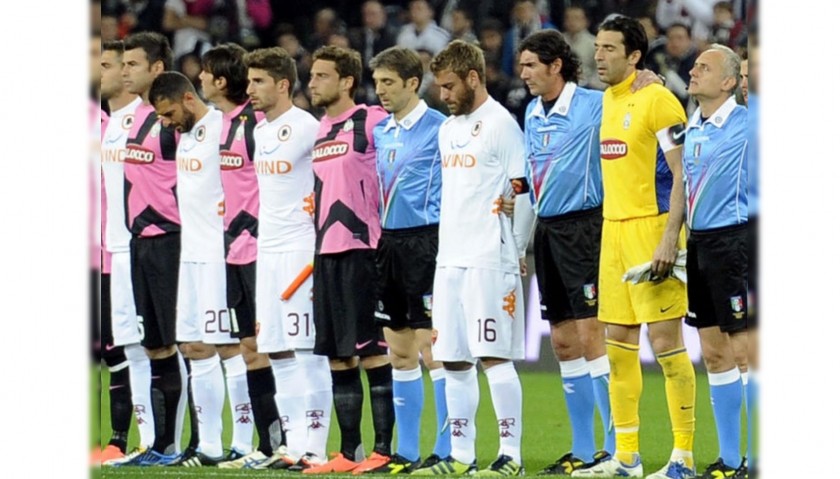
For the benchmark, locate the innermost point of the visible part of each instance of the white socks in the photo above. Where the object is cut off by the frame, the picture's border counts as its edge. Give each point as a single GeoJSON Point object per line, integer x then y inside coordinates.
{"type": "Point", "coordinates": [242, 420]}
{"type": "Point", "coordinates": [140, 377]}
{"type": "Point", "coordinates": [208, 386]}
{"type": "Point", "coordinates": [289, 379]}
{"type": "Point", "coordinates": [506, 392]}
{"type": "Point", "coordinates": [319, 400]}
{"type": "Point", "coordinates": [462, 403]}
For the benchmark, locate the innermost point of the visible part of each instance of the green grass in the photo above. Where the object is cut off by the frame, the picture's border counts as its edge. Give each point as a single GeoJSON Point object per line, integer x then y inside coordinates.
{"type": "Point", "coordinates": [546, 431]}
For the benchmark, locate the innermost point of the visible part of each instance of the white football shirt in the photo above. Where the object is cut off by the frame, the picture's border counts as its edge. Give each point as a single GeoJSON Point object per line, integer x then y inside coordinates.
{"type": "Point", "coordinates": [480, 154]}
{"type": "Point", "coordinates": [201, 200]}
{"type": "Point", "coordinates": [113, 151]}
{"type": "Point", "coordinates": [283, 161]}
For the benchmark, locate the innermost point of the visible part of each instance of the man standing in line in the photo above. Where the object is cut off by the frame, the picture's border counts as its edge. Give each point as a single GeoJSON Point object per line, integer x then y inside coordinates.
{"type": "Point", "coordinates": [644, 199]}
{"type": "Point", "coordinates": [408, 165]}
{"type": "Point", "coordinates": [155, 246]}
{"type": "Point", "coordinates": [224, 79]}
{"type": "Point", "coordinates": [121, 324]}
{"type": "Point", "coordinates": [347, 231]}
{"type": "Point", "coordinates": [203, 322]}
{"type": "Point", "coordinates": [715, 166]}
{"type": "Point", "coordinates": [283, 143]}
{"type": "Point", "coordinates": [478, 292]}
{"type": "Point", "coordinates": [561, 144]}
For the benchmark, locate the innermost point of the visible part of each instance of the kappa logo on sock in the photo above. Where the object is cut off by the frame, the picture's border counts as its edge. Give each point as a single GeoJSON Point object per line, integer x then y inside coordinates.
{"type": "Point", "coordinates": [244, 411]}
{"type": "Point", "coordinates": [504, 426]}
{"type": "Point", "coordinates": [198, 413]}
{"type": "Point", "coordinates": [455, 425]}
{"type": "Point", "coordinates": [139, 412]}
{"type": "Point", "coordinates": [315, 416]}
{"type": "Point", "coordinates": [284, 420]}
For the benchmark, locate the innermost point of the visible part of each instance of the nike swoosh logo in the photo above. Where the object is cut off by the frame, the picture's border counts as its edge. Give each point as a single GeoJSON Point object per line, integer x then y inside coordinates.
{"type": "Point", "coordinates": [264, 151]}
{"type": "Point", "coordinates": [662, 310]}
{"type": "Point", "coordinates": [684, 408]}
{"type": "Point", "coordinates": [677, 136]}
{"type": "Point", "coordinates": [362, 345]}
{"type": "Point", "coordinates": [456, 146]}
{"type": "Point", "coordinates": [113, 139]}
{"type": "Point", "coordinates": [109, 347]}
{"type": "Point", "coordinates": [185, 148]}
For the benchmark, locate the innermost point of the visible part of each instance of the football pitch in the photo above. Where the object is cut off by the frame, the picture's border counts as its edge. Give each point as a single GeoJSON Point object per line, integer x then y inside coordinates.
{"type": "Point", "coordinates": [546, 431]}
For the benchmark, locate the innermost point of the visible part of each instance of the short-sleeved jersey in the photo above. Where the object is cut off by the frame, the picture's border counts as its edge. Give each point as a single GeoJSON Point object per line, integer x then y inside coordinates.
{"type": "Point", "coordinates": [151, 176]}
{"type": "Point", "coordinates": [200, 195]}
{"type": "Point", "coordinates": [114, 137]}
{"type": "Point", "coordinates": [346, 187]}
{"type": "Point", "coordinates": [636, 130]}
{"type": "Point", "coordinates": [239, 182]}
{"type": "Point", "coordinates": [283, 161]}
{"type": "Point", "coordinates": [408, 165]}
{"type": "Point", "coordinates": [563, 152]}
{"type": "Point", "coordinates": [752, 155]}
{"type": "Point", "coordinates": [715, 168]}
{"type": "Point", "coordinates": [480, 153]}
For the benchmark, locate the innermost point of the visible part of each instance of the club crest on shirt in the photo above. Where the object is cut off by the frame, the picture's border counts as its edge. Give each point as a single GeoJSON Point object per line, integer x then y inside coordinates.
{"type": "Point", "coordinates": [392, 155]}
{"type": "Point", "coordinates": [284, 133]}
{"type": "Point", "coordinates": [240, 132]}
{"type": "Point", "coordinates": [348, 125]}
{"type": "Point", "coordinates": [627, 121]}
{"type": "Point", "coordinates": [200, 133]}
{"type": "Point", "coordinates": [127, 121]}
{"type": "Point", "coordinates": [545, 140]}
{"type": "Point", "coordinates": [697, 152]}
{"type": "Point", "coordinates": [155, 130]}
{"type": "Point", "coordinates": [476, 128]}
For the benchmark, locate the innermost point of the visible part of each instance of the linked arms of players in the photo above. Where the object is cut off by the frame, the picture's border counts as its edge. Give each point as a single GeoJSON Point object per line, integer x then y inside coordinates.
{"type": "Point", "coordinates": [519, 207]}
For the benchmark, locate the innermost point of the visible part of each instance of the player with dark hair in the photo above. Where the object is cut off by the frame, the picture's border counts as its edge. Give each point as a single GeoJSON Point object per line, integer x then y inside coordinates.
{"type": "Point", "coordinates": [408, 164]}
{"type": "Point", "coordinates": [644, 200]}
{"type": "Point", "coordinates": [203, 323]}
{"type": "Point", "coordinates": [155, 224]}
{"type": "Point", "coordinates": [347, 232]}
{"type": "Point", "coordinates": [130, 376]}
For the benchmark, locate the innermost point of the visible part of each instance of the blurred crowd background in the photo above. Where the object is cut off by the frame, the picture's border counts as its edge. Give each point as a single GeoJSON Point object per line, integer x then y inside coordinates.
{"type": "Point", "coordinates": [678, 30]}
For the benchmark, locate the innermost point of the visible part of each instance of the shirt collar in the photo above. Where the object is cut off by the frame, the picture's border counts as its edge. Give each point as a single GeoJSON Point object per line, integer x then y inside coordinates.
{"type": "Point", "coordinates": [409, 120]}
{"type": "Point", "coordinates": [561, 106]}
{"type": "Point", "coordinates": [719, 117]}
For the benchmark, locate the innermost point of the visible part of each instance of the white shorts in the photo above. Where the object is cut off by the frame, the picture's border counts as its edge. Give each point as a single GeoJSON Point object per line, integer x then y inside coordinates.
{"type": "Point", "coordinates": [478, 313]}
{"type": "Point", "coordinates": [283, 325]}
{"type": "Point", "coordinates": [124, 322]}
{"type": "Point", "coordinates": [202, 304]}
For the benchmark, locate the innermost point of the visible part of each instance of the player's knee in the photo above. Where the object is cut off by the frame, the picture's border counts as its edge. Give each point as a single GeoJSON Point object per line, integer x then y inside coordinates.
{"type": "Point", "coordinates": [664, 340]}
{"type": "Point", "coordinates": [716, 358]}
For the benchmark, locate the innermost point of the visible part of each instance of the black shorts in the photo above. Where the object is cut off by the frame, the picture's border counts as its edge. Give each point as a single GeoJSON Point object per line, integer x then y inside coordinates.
{"type": "Point", "coordinates": [241, 299]}
{"type": "Point", "coordinates": [154, 279]}
{"type": "Point", "coordinates": [716, 265]}
{"type": "Point", "coordinates": [344, 294]}
{"type": "Point", "coordinates": [567, 252]}
{"type": "Point", "coordinates": [752, 271]}
{"type": "Point", "coordinates": [405, 263]}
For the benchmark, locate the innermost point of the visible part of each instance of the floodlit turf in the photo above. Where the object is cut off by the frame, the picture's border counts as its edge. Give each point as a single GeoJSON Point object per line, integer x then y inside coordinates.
{"type": "Point", "coordinates": [546, 434]}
